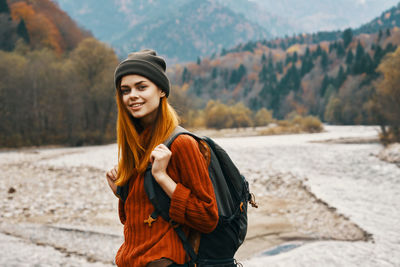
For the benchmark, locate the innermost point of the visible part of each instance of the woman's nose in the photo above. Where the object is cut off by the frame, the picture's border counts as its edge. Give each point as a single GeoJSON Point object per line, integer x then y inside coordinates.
{"type": "Point", "coordinates": [133, 93]}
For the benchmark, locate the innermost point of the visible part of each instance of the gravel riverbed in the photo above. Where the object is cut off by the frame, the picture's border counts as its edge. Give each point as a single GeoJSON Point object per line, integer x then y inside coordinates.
{"type": "Point", "coordinates": [326, 199]}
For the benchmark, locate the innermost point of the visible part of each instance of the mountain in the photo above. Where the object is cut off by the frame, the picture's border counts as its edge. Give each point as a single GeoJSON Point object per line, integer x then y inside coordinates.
{"type": "Point", "coordinates": [198, 28]}
{"type": "Point", "coordinates": [110, 19]}
{"type": "Point", "coordinates": [275, 23]}
{"type": "Point", "coordinates": [331, 75]}
{"type": "Point", "coordinates": [316, 15]}
{"type": "Point", "coordinates": [388, 19]}
{"type": "Point", "coordinates": [171, 28]}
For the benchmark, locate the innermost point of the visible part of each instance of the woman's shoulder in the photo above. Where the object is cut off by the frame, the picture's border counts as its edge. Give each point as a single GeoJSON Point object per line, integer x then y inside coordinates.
{"type": "Point", "coordinates": [184, 141]}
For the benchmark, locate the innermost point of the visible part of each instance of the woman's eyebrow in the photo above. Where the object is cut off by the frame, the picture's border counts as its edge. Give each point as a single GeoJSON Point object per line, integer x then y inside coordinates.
{"type": "Point", "coordinates": [135, 84]}
{"type": "Point", "coordinates": [139, 82]}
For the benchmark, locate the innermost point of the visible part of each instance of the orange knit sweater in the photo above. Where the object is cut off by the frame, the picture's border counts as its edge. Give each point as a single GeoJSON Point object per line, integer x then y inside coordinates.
{"type": "Point", "coordinates": [193, 205]}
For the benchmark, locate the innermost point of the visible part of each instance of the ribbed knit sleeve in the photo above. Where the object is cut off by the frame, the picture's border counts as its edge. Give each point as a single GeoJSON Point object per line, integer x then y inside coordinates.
{"type": "Point", "coordinates": [193, 201]}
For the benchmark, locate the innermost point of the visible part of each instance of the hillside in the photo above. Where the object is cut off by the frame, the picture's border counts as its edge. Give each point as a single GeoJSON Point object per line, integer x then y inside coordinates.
{"type": "Point", "coordinates": [330, 80]}
{"type": "Point", "coordinates": [40, 24]}
{"type": "Point", "coordinates": [196, 29]}
{"type": "Point", "coordinates": [316, 15]}
{"type": "Point", "coordinates": [388, 19]}
{"type": "Point", "coordinates": [173, 28]}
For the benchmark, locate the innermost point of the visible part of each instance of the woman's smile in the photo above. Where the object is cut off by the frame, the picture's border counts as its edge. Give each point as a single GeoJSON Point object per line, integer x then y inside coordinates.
{"type": "Point", "coordinates": [136, 106]}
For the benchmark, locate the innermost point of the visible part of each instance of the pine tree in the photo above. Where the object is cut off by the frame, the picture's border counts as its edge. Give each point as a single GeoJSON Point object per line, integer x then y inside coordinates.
{"type": "Point", "coordinates": [263, 58]}
{"type": "Point", "coordinates": [4, 7]}
{"type": "Point", "coordinates": [378, 55]}
{"type": "Point", "coordinates": [185, 75]}
{"type": "Point", "coordinates": [262, 76]}
{"type": "Point", "coordinates": [347, 37]}
{"type": "Point", "coordinates": [317, 52]}
{"type": "Point", "coordinates": [349, 57]}
{"type": "Point", "coordinates": [214, 73]}
{"type": "Point", "coordinates": [324, 60]}
{"type": "Point", "coordinates": [279, 67]}
{"type": "Point", "coordinates": [23, 32]}
{"type": "Point", "coordinates": [294, 58]}
{"type": "Point", "coordinates": [340, 78]}
{"type": "Point", "coordinates": [270, 64]}
{"type": "Point", "coordinates": [307, 53]}
{"type": "Point", "coordinates": [359, 60]}
{"type": "Point", "coordinates": [388, 32]}
{"type": "Point", "coordinates": [306, 66]}
{"type": "Point", "coordinates": [340, 51]}
{"type": "Point", "coordinates": [380, 35]}
{"type": "Point", "coordinates": [325, 82]}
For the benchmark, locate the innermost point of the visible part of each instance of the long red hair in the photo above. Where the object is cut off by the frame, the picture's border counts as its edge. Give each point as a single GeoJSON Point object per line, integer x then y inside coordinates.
{"type": "Point", "coordinates": [134, 149]}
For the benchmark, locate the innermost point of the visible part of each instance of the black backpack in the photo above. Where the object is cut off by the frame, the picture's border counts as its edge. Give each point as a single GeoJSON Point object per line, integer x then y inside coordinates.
{"type": "Point", "coordinates": [232, 195]}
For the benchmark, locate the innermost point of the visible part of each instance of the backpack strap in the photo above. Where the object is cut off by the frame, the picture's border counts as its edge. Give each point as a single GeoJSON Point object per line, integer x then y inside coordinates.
{"type": "Point", "coordinates": [123, 191]}
{"type": "Point", "coordinates": [162, 202]}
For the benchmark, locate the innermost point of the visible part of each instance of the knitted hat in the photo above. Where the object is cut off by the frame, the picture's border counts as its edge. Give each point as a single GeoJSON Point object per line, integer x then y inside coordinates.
{"type": "Point", "coordinates": [145, 63]}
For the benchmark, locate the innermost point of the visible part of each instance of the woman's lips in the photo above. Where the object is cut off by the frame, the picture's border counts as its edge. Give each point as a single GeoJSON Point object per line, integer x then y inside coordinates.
{"type": "Point", "coordinates": [136, 106]}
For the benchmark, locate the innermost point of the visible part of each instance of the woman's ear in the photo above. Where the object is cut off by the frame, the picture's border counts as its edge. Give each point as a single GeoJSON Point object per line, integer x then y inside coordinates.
{"type": "Point", "coordinates": [162, 94]}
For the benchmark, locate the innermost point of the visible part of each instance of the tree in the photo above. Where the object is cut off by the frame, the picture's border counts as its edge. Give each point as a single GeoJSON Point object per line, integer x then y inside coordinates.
{"type": "Point", "coordinates": [388, 93]}
{"type": "Point", "coordinates": [91, 65]}
{"type": "Point", "coordinates": [263, 117]}
{"type": "Point", "coordinates": [340, 50]}
{"type": "Point", "coordinates": [325, 82]}
{"type": "Point", "coordinates": [359, 60]}
{"type": "Point", "coordinates": [340, 78]}
{"type": "Point", "coordinates": [388, 32]}
{"type": "Point", "coordinates": [379, 35]}
{"type": "Point", "coordinates": [263, 58]}
{"type": "Point", "coordinates": [217, 115]}
{"type": "Point", "coordinates": [22, 31]}
{"type": "Point", "coordinates": [241, 116]}
{"type": "Point", "coordinates": [333, 112]}
{"type": "Point", "coordinates": [349, 58]}
{"type": "Point", "coordinates": [347, 37]}
{"type": "Point", "coordinates": [324, 60]}
{"type": "Point", "coordinates": [8, 35]}
{"type": "Point", "coordinates": [4, 7]}
{"type": "Point", "coordinates": [185, 75]}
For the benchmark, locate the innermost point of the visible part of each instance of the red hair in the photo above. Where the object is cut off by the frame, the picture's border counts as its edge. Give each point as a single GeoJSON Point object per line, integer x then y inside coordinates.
{"type": "Point", "coordinates": [133, 149]}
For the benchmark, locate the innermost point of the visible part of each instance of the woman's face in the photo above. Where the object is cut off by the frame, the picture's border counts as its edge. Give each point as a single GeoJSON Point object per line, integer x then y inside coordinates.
{"type": "Point", "coordinates": [141, 97]}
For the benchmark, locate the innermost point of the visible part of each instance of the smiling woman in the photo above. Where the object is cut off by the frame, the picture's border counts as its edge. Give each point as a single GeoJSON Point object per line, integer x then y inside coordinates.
{"type": "Point", "coordinates": [141, 97]}
{"type": "Point", "coordinates": [145, 121]}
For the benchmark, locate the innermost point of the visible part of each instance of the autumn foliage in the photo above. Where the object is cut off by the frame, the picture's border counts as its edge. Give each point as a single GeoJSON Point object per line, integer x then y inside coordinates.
{"type": "Point", "coordinates": [47, 25]}
{"type": "Point", "coordinates": [387, 98]}
{"type": "Point", "coordinates": [46, 99]}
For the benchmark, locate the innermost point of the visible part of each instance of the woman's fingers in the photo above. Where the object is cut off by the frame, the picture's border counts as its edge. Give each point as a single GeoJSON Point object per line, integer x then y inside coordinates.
{"type": "Point", "coordinates": [113, 173]}
{"type": "Point", "coordinates": [159, 157]}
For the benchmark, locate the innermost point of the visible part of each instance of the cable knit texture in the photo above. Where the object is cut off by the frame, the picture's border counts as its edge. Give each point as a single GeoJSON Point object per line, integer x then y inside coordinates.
{"type": "Point", "coordinates": [193, 205]}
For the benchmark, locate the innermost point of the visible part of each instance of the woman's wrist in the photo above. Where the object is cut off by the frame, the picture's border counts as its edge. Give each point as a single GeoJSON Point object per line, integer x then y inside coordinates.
{"type": "Point", "coordinates": [166, 182]}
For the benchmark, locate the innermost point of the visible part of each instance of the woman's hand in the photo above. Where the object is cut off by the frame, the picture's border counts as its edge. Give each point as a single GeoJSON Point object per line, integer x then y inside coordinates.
{"type": "Point", "coordinates": [159, 158]}
{"type": "Point", "coordinates": [111, 178]}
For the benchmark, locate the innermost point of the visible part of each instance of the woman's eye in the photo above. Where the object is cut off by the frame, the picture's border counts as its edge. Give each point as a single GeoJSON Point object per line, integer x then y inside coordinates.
{"type": "Point", "coordinates": [125, 91]}
{"type": "Point", "coordinates": [142, 87]}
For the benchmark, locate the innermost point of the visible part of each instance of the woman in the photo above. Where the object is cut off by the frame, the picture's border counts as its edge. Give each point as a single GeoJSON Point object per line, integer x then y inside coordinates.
{"type": "Point", "coordinates": [145, 121]}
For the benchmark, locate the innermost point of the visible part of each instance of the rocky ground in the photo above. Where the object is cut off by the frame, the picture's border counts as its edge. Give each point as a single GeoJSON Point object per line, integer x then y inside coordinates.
{"type": "Point", "coordinates": [56, 209]}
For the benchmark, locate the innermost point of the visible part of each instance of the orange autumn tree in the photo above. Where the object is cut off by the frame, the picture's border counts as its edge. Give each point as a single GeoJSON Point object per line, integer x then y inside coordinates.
{"type": "Point", "coordinates": [42, 31]}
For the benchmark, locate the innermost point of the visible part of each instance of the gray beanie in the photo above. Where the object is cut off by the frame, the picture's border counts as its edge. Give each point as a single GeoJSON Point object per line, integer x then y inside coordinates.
{"type": "Point", "coordinates": [145, 63]}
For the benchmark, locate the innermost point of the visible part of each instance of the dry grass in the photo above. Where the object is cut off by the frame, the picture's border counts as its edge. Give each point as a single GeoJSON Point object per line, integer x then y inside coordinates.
{"type": "Point", "coordinates": [298, 124]}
